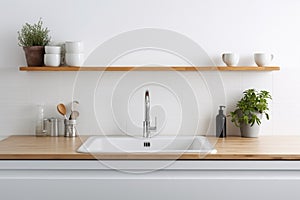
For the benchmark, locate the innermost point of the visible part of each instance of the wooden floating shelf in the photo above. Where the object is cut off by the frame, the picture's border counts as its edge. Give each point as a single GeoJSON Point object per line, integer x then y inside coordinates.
{"type": "Point", "coordinates": [171, 68]}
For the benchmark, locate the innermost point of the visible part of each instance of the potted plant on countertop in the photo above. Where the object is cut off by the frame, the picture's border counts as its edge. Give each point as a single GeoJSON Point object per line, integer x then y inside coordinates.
{"type": "Point", "coordinates": [250, 110]}
{"type": "Point", "coordinates": [33, 39]}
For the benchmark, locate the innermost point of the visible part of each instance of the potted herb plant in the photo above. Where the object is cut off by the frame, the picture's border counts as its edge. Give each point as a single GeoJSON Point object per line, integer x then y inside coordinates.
{"type": "Point", "coordinates": [250, 110]}
{"type": "Point", "coordinates": [33, 39]}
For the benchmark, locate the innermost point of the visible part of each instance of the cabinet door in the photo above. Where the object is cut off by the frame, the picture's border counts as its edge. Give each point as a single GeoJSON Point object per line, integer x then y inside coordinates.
{"type": "Point", "coordinates": [162, 184]}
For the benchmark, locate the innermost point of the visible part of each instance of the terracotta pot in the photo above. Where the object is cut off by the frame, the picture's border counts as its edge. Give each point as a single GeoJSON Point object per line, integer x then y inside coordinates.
{"type": "Point", "coordinates": [34, 55]}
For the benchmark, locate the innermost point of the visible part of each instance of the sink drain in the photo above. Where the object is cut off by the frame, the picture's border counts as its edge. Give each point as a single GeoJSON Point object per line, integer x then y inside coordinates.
{"type": "Point", "coordinates": [147, 144]}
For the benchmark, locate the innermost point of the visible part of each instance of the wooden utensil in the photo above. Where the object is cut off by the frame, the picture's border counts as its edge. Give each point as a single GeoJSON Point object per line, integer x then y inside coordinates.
{"type": "Point", "coordinates": [61, 108]}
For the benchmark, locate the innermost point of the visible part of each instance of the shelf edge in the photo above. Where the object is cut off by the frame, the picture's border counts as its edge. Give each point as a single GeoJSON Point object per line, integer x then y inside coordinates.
{"type": "Point", "coordinates": [171, 68]}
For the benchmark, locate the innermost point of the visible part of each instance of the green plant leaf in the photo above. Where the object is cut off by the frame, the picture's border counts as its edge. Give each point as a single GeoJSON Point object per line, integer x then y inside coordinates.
{"type": "Point", "coordinates": [249, 106]}
{"type": "Point", "coordinates": [33, 35]}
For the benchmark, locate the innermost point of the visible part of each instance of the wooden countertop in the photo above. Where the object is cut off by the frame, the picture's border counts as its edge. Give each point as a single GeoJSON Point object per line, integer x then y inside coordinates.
{"type": "Point", "coordinates": [230, 148]}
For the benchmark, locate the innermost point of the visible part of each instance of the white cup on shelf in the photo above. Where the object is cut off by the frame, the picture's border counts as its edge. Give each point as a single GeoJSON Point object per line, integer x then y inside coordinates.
{"type": "Point", "coordinates": [230, 59]}
{"type": "Point", "coordinates": [74, 47]}
{"type": "Point", "coordinates": [74, 59]}
{"type": "Point", "coordinates": [263, 59]}
{"type": "Point", "coordinates": [52, 60]}
{"type": "Point", "coordinates": [52, 49]}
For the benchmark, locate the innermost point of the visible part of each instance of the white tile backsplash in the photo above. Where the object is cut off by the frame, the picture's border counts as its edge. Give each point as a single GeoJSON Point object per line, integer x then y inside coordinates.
{"type": "Point", "coordinates": [217, 26]}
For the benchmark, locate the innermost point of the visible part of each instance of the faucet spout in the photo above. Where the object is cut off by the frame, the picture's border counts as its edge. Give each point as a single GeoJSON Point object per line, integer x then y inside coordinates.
{"type": "Point", "coordinates": [147, 106]}
{"type": "Point", "coordinates": [147, 128]}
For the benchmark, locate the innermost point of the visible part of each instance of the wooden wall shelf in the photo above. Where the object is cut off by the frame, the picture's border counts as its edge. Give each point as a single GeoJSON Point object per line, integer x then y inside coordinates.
{"type": "Point", "coordinates": [128, 68]}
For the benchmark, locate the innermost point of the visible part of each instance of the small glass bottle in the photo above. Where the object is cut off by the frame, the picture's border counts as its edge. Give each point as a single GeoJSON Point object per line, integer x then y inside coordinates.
{"type": "Point", "coordinates": [39, 126]}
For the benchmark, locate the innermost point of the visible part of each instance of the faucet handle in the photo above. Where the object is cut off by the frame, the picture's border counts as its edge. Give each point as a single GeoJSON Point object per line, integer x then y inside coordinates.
{"type": "Point", "coordinates": [153, 128]}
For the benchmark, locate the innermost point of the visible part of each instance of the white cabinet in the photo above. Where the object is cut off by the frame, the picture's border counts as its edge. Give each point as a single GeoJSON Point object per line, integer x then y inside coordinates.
{"type": "Point", "coordinates": [188, 180]}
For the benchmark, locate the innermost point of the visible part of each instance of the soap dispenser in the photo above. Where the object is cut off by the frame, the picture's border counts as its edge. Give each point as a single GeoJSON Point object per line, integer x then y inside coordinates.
{"type": "Point", "coordinates": [221, 123]}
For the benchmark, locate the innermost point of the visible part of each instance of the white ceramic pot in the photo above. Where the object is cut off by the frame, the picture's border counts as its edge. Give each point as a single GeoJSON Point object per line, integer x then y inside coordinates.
{"type": "Point", "coordinates": [74, 59]}
{"type": "Point", "coordinates": [250, 131]}
{"type": "Point", "coordinates": [52, 60]}
{"type": "Point", "coordinates": [52, 49]}
{"type": "Point", "coordinates": [74, 47]}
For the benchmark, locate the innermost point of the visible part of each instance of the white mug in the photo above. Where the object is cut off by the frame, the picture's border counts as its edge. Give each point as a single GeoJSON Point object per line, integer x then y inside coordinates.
{"type": "Point", "coordinates": [52, 49]}
{"type": "Point", "coordinates": [230, 59]}
{"type": "Point", "coordinates": [74, 59]}
{"type": "Point", "coordinates": [74, 47]}
{"type": "Point", "coordinates": [263, 59]}
{"type": "Point", "coordinates": [52, 60]}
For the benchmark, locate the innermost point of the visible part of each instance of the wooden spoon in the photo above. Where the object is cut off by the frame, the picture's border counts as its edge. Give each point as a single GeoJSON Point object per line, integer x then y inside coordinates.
{"type": "Point", "coordinates": [61, 108]}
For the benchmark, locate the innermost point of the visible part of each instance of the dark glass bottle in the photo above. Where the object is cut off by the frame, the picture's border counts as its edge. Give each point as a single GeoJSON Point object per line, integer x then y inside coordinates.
{"type": "Point", "coordinates": [221, 123]}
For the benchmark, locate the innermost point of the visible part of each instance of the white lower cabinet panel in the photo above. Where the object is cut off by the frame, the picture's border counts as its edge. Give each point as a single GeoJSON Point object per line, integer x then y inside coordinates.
{"type": "Point", "coordinates": [186, 180]}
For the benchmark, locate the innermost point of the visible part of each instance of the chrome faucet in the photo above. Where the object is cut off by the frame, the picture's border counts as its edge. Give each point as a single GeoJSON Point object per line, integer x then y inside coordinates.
{"type": "Point", "coordinates": [147, 128]}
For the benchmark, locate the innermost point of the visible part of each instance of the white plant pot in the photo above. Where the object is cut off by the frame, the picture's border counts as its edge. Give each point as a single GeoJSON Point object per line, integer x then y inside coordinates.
{"type": "Point", "coordinates": [250, 131]}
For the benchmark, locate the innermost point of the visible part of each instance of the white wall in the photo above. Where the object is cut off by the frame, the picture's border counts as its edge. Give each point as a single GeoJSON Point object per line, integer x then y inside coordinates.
{"type": "Point", "coordinates": [218, 26]}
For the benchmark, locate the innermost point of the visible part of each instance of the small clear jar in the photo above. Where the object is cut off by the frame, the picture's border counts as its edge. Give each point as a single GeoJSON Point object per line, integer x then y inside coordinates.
{"type": "Point", "coordinates": [39, 124]}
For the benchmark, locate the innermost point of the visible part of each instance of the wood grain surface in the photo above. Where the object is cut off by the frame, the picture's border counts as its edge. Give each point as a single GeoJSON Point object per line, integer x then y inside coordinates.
{"type": "Point", "coordinates": [171, 68]}
{"type": "Point", "coordinates": [232, 148]}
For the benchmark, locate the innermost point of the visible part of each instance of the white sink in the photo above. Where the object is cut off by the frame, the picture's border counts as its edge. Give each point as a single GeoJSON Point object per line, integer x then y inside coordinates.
{"type": "Point", "coordinates": [157, 144]}
{"type": "Point", "coordinates": [3, 137]}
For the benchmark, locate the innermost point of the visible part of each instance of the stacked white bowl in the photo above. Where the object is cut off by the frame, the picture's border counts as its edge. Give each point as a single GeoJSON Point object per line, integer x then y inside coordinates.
{"type": "Point", "coordinates": [52, 56]}
{"type": "Point", "coordinates": [74, 53]}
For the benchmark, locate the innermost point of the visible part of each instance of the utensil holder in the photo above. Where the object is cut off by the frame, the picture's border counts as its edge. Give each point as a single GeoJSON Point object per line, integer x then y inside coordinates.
{"type": "Point", "coordinates": [70, 128]}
